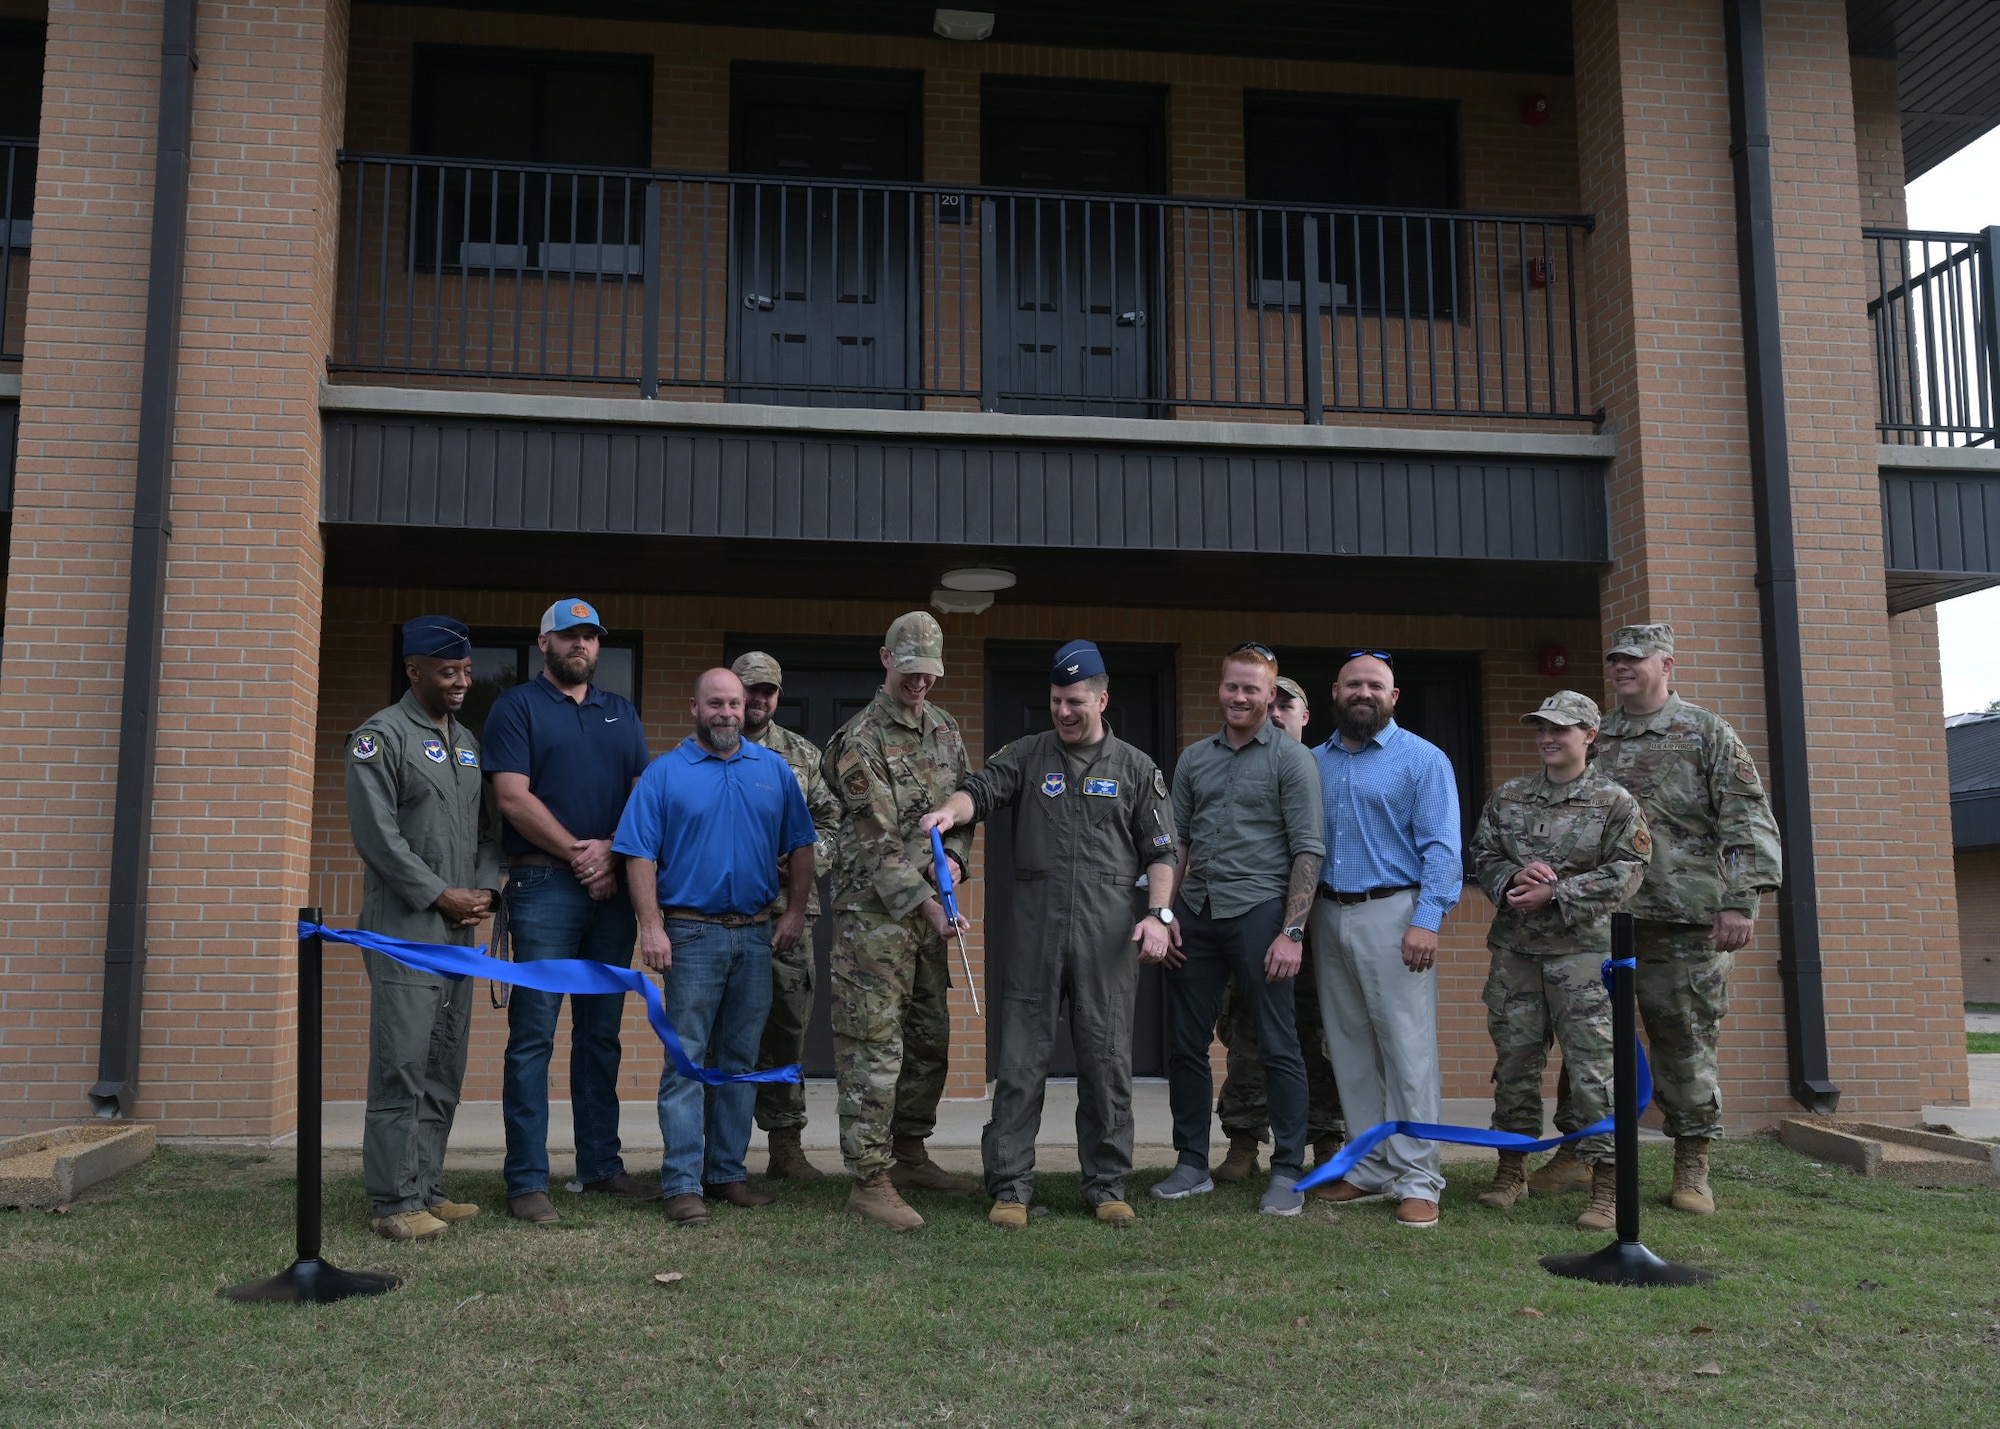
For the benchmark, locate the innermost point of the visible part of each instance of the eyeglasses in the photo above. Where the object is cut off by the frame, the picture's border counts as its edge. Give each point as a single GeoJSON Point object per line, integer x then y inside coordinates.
{"type": "Point", "coordinates": [1254, 648]}
{"type": "Point", "coordinates": [1383, 655]}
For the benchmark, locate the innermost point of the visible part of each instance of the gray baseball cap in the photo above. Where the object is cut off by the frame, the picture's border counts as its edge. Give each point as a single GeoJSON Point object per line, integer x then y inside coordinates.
{"type": "Point", "coordinates": [1566, 707]}
{"type": "Point", "coordinates": [1639, 641]}
{"type": "Point", "coordinates": [916, 644]}
{"type": "Point", "coordinates": [754, 667]}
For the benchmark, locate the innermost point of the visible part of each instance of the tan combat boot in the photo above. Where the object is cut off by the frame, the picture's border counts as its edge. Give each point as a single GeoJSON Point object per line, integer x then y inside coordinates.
{"type": "Point", "coordinates": [1602, 1212]}
{"type": "Point", "coordinates": [1241, 1162]}
{"type": "Point", "coordinates": [1510, 1182]}
{"type": "Point", "coordinates": [915, 1171]}
{"type": "Point", "coordinates": [408, 1225]}
{"type": "Point", "coordinates": [1691, 1193]}
{"type": "Point", "coordinates": [1559, 1175]}
{"type": "Point", "coordinates": [1008, 1215]}
{"type": "Point", "coordinates": [788, 1157]}
{"type": "Point", "coordinates": [874, 1199]}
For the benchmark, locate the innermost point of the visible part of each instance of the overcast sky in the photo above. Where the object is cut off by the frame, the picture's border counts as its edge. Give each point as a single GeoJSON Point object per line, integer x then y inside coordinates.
{"type": "Point", "coordinates": [1960, 195]}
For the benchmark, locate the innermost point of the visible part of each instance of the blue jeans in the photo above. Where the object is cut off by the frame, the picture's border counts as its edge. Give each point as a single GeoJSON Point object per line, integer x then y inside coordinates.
{"type": "Point", "coordinates": [551, 916]}
{"type": "Point", "coordinates": [717, 995]}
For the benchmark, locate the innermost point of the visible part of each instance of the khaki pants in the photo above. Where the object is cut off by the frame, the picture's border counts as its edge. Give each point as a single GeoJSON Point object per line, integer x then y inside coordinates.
{"type": "Point", "coordinates": [417, 1030]}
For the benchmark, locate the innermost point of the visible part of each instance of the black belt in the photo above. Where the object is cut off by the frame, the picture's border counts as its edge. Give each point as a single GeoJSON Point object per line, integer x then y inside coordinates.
{"type": "Point", "coordinates": [1348, 900]}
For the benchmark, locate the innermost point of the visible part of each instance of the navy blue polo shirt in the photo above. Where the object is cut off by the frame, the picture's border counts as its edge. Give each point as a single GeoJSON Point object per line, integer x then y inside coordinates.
{"type": "Point", "coordinates": [580, 758]}
{"type": "Point", "coordinates": [717, 827]}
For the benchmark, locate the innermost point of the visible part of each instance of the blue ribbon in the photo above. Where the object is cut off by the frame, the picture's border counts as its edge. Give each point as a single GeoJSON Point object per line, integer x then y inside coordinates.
{"type": "Point", "coordinates": [572, 975]}
{"type": "Point", "coordinates": [947, 899]}
{"type": "Point", "coordinates": [1351, 1155]}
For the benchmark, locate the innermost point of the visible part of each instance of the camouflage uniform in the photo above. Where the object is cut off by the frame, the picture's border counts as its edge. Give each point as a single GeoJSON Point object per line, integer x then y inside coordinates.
{"type": "Point", "coordinates": [1715, 847]}
{"type": "Point", "coordinates": [1545, 974]}
{"type": "Point", "coordinates": [783, 1104]}
{"type": "Point", "coordinates": [891, 1031]}
{"type": "Point", "coordinates": [1240, 1105]}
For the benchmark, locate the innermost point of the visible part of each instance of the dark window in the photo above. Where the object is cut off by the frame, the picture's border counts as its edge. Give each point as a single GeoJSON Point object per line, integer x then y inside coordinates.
{"type": "Point", "coordinates": [1354, 151]}
{"type": "Point", "coordinates": [503, 658]}
{"type": "Point", "coordinates": [1439, 698]}
{"type": "Point", "coordinates": [531, 108]}
{"type": "Point", "coordinates": [22, 54]}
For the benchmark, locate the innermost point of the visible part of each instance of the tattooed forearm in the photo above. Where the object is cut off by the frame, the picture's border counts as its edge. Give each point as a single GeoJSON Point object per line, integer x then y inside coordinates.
{"type": "Point", "coordinates": [1299, 893]}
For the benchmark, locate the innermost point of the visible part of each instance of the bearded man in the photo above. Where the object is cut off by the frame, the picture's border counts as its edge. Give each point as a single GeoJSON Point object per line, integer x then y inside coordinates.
{"type": "Point", "coordinates": [1393, 870]}
{"type": "Point", "coordinates": [563, 756]}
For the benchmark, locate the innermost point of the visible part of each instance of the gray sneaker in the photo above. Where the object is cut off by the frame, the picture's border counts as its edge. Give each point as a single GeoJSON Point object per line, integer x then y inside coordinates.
{"type": "Point", "coordinates": [1183, 1181]}
{"type": "Point", "coordinates": [1280, 1199]}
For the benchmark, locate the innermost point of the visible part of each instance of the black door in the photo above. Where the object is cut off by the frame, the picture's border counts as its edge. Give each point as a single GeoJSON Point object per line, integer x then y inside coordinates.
{"type": "Point", "coordinates": [821, 275]}
{"type": "Point", "coordinates": [1141, 713]}
{"type": "Point", "coordinates": [827, 683]}
{"type": "Point", "coordinates": [1439, 698]}
{"type": "Point", "coordinates": [1079, 312]}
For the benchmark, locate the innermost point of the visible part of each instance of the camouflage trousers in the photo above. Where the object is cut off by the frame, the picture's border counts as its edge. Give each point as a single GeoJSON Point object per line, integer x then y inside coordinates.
{"type": "Point", "coordinates": [1240, 1105]}
{"type": "Point", "coordinates": [783, 1104]}
{"type": "Point", "coordinates": [891, 1032]}
{"type": "Point", "coordinates": [1683, 995]}
{"type": "Point", "coordinates": [1531, 1002]}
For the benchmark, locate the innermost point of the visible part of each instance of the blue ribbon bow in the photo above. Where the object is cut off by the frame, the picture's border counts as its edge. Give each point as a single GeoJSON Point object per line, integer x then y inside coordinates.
{"type": "Point", "coordinates": [1351, 1155]}
{"type": "Point", "coordinates": [572, 975]}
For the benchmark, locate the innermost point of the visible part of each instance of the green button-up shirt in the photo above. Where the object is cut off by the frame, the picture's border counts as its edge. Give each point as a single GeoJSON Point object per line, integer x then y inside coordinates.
{"type": "Point", "coordinates": [1245, 814]}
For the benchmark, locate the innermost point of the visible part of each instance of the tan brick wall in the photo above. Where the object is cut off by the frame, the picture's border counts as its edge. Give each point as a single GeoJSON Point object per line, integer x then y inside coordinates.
{"type": "Point", "coordinates": [1878, 142]}
{"type": "Point", "coordinates": [1652, 89]}
{"type": "Point", "coordinates": [238, 692]}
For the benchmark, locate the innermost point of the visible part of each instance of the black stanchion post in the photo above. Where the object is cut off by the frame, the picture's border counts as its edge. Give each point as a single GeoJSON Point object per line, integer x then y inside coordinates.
{"type": "Point", "coordinates": [309, 1280]}
{"type": "Point", "coordinates": [1625, 1261]}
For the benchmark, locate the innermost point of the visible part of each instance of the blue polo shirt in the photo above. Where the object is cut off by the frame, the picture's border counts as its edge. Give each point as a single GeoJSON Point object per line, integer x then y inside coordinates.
{"type": "Point", "coordinates": [717, 827]}
{"type": "Point", "coordinates": [580, 758]}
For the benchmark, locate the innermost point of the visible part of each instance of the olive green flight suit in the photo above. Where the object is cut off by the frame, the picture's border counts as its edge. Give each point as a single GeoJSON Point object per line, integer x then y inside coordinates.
{"type": "Point", "coordinates": [416, 809]}
{"type": "Point", "coordinates": [1082, 836]}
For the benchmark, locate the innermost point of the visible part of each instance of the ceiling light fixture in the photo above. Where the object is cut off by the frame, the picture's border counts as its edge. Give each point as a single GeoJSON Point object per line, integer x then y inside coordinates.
{"type": "Point", "coordinates": [963, 24]}
{"type": "Point", "coordinates": [986, 578]}
{"type": "Point", "coordinates": [962, 602]}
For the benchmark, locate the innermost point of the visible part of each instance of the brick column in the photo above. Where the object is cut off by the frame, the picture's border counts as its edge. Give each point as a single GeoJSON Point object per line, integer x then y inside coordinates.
{"type": "Point", "coordinates": [233, 810]}
{"type": "Point", "coordinates": [1653, 112]}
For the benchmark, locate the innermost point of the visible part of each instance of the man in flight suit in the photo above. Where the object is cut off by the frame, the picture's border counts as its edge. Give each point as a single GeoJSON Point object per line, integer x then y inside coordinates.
{"type": "Point", "coordinates": [416, 809]}
{"type": "Point", "coordinates": [1091, 814]}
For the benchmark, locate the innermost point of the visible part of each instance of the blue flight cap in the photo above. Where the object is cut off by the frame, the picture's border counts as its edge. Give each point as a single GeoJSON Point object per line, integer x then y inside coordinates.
{"type": "Point", "coordinates": [1076, 662]}
{"type": "Point", "coordinates": [438, 636]}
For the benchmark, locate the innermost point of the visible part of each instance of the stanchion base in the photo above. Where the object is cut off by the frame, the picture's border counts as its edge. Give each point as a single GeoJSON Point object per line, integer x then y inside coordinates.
{"type": "Point", "coordinates": [310, 1282]}
{"type": "Point", "coordinates": [1624, 1262]}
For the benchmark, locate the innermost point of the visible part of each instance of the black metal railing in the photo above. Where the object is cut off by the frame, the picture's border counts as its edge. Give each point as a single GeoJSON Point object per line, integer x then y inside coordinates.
{"type": "Point", "coordinates": [832, 293]}
{"type": "Point", "coordinates": [17, 233]}
{"type": "Point", "coordinates": [1936, 319]}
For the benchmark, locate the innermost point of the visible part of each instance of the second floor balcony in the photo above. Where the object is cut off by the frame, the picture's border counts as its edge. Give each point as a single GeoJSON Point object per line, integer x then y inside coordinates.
{"type": "Point", "coordinates": [929, 297]}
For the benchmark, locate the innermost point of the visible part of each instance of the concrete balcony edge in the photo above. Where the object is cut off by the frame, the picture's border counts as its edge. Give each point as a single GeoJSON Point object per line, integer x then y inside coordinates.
{"type": "Point", "coordinates": [973, 426]}
{"type": "Point", "coordinates": [1903, 458]}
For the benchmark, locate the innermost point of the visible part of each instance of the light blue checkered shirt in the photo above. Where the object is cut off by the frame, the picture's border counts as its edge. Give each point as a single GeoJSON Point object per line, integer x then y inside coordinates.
{"type": "Point", "coordinates": [1392, 820]}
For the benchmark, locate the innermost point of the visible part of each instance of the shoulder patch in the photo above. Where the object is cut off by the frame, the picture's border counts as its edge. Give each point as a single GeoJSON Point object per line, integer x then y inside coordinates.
{"type": "Point", "coordinates": [857, 783]}
{"type": "Point", "coordinates": [365, 747]}
{"type": "Point", "coordinates": [1642, 841]}
{"type": "Point", "coordinates": [1159, 783]}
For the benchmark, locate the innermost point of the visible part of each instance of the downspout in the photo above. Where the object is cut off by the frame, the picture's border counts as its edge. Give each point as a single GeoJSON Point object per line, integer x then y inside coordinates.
{"type": "Point", "coordinates": [1799, 973]}
{"type": "Point", "coordinates": [132, 808]}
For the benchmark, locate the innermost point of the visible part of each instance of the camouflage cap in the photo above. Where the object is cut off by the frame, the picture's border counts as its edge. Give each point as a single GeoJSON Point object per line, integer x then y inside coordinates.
{"type": "Point", "coordinates": [1639, 641]}
{"type": "Point", "coordinates": [1287, 685]}
{"type": "Point", "coordinates": [754, 667]}
{"type": "Point", "coordinates": [916, 644]}
{"type": "Point", "coordinates": [1566, 707]}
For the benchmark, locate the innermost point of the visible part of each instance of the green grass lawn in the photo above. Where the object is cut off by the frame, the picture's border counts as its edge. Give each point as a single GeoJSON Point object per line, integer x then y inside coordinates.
{"type": "Point", "coordinates": [1982, 1041]}
{"type": "Point", "coordinates": [1841, 1301]}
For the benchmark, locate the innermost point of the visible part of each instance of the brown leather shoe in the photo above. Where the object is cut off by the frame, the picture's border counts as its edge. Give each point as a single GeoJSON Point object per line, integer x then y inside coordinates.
{"type": "Point", "coordinates": [535, 1208]}
{"type": "Point", "coordinates": [1417, 1213]}
{"type": "Point", "coordinates": [738, 1193]}
{"type": "Point", "coordinates": [1345, 1193]}
{"type": "Point", "coordinates": [687, 1209]}
{"type": "Point", "coordinates": [624, 1186]}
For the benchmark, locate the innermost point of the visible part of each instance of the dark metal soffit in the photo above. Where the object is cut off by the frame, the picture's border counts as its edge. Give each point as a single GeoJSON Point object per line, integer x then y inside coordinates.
{"type": "Point", "coordinates": [1947, 55]}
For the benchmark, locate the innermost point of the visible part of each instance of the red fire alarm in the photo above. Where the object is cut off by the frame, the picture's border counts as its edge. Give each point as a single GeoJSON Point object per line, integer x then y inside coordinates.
{"type": "Point", "coordinates": [1552, 661]}
{"type": "Point", "coordinates": [1534, 109]}
{"type": "Point", "coordinates": [1537, 270]}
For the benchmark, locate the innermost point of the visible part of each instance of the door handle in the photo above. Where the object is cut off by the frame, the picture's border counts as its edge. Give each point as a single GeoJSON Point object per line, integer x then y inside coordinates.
{"type": "Point", "coordinates": [758, 303]}
{"type": "Point", "coordinates": [1135, 318]}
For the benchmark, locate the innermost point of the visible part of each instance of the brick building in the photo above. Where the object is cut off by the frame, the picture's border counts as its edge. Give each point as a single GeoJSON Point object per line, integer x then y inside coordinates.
{"type": "Point", "coordinates": [1454, 328]}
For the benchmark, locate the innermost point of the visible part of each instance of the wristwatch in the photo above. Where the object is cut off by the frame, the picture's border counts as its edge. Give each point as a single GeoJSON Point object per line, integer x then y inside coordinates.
{"type": "Point", "coordinates": [1296, 933]}
{"type": "Point", "coordinates": [1165, 915]}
